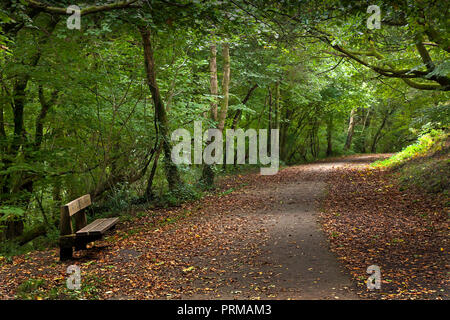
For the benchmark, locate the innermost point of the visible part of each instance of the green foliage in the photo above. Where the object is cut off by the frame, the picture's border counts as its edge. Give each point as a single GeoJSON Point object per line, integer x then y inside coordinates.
{"type": "Point", "coordinates": [8, 249]}
{"type": "Point", "coordinates": [8, 213]}
{"type": "Point", "coordinates": [175, 197]}
{"type": "Point", "coordinates": [30, 289]}
{"type": "Point", "coordinates": [42, 289]}
{"type": "Point", "coordinates": [426, 144]}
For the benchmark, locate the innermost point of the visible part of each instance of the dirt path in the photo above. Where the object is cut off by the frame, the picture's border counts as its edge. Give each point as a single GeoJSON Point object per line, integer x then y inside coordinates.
{"type": "Point", "coordinates": [294, 261]}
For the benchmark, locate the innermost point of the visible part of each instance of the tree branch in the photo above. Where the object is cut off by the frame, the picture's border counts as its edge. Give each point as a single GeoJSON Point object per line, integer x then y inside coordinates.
{"type": "Point", "coordinates": [89, 10]}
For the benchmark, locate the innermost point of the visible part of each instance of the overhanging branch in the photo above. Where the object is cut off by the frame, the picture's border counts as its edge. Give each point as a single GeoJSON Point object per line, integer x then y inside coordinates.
{"type": "Point", "coordinates": [89, 10]}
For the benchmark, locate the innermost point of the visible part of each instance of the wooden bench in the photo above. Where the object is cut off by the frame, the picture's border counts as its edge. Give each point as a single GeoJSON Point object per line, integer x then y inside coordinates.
{"type": "Point", "coordinates": [84, 233]}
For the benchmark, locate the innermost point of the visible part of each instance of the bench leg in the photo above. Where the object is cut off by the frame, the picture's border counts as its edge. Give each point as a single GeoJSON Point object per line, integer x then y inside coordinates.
{"type": "Point", "coordinates": [65, 253]}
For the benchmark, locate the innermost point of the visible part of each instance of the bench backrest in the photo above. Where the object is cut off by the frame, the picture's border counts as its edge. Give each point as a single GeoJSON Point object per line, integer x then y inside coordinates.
{"type": "Point", "coordinates": [74, 208]}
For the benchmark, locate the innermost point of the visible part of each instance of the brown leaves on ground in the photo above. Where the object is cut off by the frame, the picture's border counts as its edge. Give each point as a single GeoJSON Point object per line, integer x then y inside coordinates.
{"type": "Point", "coordinates": [160, 255]}
{"type": "Point", "coordinates": [204, 248]}
{"type": "Point", "coordinates": [369, 221]}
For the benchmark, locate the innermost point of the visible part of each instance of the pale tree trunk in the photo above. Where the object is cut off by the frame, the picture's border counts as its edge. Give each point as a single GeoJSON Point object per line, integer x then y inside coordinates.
{"type": "Point", "coordinates": [284, 128]}
{"type": "Point", "coordinates": [351, 129]}
{"type": "Point", "coordinates": [208, 173]}
{"type": "Point", "coordinates": [270, 120]}
{"type": "Point", "coordinates": [225, 86]}
{"type": "Point", "coordinates": [213, 81]}
{"type": "Point", "coordinates": [172, 174]}
{"type": "Point", "coordinates": [277, 106]}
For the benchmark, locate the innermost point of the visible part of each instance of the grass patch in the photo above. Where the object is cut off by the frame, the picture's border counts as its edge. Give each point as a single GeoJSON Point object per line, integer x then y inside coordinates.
{"type": "Point", "coordinates": [427, 144]}
{"type": "Point", "coordinates": [43, 289]}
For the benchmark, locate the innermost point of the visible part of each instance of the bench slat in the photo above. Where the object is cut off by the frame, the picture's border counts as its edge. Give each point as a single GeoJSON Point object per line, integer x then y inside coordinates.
{"type": "Point", "coordinates": [91, 226]}
{"type": "Point", "coordinates": [98, 227]}
{"type": "Point", "coordinates": [78, 204]}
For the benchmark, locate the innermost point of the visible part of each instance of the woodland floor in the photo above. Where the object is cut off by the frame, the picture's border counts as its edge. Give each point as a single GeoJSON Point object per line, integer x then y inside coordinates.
{"type": "Point", "coordinates": [309, 232]}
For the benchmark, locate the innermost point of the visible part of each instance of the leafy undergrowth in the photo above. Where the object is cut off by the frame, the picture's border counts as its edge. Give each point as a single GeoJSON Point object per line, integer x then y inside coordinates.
{"type": "Point", "coordinates": [371, 219]}
{"type": "Point", "coordinates": [427, 144]}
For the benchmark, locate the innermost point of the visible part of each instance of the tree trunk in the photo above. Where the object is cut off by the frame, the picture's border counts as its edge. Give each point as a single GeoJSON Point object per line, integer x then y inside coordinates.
{"type": "Point", "coordinates": [269, 138]}
{"type": "Point", "coordinates": [32, 234]}
{"type": "Point", "coordinates": [225, 86]}
{"type": "Point", "coordinates": [213, 81]}
{"type": "Point", "coordinates": [329, 135]}
{"type": "Point", "coordinates": [350, 130]}
{"type": "Point", "coordinates": [149, 189]}
{"type": "Point", "coordinates": [277, 106]}
{"type": "Point", "coordinates": [238, 114]}
{"type": "Point", "coordinates": [284, 131]}
{"type": "Point", "coordinates": [207, 171]}
{"type": "Point", "coordinates": [365, 129]}
{"type": "Point", "coordinates": [314, 141]}
{"type": "Point", "coordinates": [236, 119]}
{"type": "Point", "coordinates": [373, 148]}
{"type": "Point", "coordinates": [377, 134]}
{"type": "Point", "coordinates": [172, 174]}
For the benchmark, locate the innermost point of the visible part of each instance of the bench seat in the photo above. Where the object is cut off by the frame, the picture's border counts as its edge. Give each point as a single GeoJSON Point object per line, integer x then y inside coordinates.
{"type": "Point", "coordinates": [98, 227]}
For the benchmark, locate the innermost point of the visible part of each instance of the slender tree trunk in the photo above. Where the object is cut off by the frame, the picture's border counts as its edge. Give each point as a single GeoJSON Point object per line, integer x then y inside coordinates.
{"type": "Point", "coordinates": [329, 135]}
{"type": "Point", "coordinates": [365, 130]}
{"type": "Point", "coordinates": [350, 130]}
{"type": "Point", "coordinates": [56, 195]}
{"type": "Point", "coordinates": [277, 106]}
{"type": "Point", "coordinates": [373, 148]}
{"type": "Point", "coordinates": [172, 174]}
{"type": "Point", "coordinates": [2, 126]}
{"type": "Point", "coordinates": [213, 81]}
{"type": "Point", "coordinates": [314, 143]}
{"type": "Point", "coordinates": [269, 138]}
{"type": "Point", "coordinates": [283, 132]}
{"type": "Point", "coordinates": [207, 171]}
{"type": "Point", "coordinates": [225, 86]}
{"type": "Point", "coordinates": [376, 137]}
{"type": "Point", "coordinates": [238, 114]}
{"type": "Point", "coordinates": [3, 148]}
{"type": "Point", "coordinates": [149, 190]}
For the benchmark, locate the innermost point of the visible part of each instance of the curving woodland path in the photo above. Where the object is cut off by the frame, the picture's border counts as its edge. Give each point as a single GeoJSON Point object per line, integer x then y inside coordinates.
{"type": "Point", "coordinates": [294, 261]}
